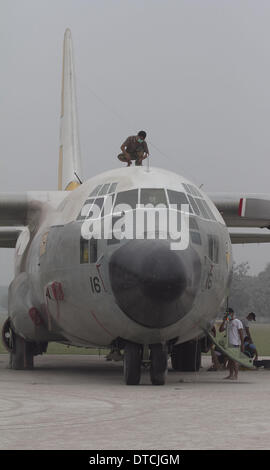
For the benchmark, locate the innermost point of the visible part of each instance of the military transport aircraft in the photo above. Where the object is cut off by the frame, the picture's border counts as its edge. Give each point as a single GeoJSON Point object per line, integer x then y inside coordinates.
{"type": "Point", "coordinates": [144, 296]}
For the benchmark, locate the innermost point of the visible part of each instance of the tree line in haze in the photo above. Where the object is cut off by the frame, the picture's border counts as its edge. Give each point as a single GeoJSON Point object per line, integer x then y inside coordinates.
{"type": "Point", "coordinates": [250, 293]}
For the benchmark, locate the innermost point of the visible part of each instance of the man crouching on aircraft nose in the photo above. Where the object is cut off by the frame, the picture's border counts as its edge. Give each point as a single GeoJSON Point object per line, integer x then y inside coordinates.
{"type": "Point", "coordinates": [134, 148]}
{"type": "Point", "coordinates": [236, 340]}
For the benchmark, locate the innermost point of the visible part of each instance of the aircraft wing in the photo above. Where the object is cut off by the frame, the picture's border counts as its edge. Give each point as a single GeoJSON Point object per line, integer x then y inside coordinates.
{"type": "Point", "coordinates": [8, 236]}
{"type": "Point", "coordinates": [238, 210]}
{"type": "Point", "coordinates": [21, 209]}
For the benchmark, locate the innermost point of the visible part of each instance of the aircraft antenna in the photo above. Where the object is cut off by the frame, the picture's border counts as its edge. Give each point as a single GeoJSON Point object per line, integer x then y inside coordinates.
{"type": "Point", "coordinates": [148, 164]}
{"type": "Point", "coordinates": [78, 178]}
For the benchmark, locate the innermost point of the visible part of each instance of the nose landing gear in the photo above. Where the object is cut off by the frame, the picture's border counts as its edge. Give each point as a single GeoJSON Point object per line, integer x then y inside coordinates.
{"type": "Point", "coordinates": [159, 364]}
{"type": "Point", "coordinates": [135, 357]}
{"type": "Point", "coordinates": [132, 363]}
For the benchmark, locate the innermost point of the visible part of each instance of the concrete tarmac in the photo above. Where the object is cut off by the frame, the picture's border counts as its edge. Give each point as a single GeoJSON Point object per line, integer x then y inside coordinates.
{"type": "Point", "coordinates": [81, 402]}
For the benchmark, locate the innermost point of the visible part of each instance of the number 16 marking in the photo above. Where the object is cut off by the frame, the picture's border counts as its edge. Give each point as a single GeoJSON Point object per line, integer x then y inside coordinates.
{"type": "Point", "coordinates": [95, 285]}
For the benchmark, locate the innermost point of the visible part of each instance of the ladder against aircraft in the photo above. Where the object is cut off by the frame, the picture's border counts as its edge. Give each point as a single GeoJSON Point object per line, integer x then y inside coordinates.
{"type": "Point", "coordinates": [221, 340]}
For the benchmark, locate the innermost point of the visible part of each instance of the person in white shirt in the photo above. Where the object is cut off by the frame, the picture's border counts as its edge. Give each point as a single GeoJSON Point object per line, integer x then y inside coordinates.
{"type": "Point", "coordinates": [236, 339]}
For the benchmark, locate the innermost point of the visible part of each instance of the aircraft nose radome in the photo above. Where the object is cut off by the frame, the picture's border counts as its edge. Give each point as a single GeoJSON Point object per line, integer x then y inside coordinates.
{"type": "Point", "coordinates": [152, 284]}
{"type": "Point", "coordinates": [163, 275]}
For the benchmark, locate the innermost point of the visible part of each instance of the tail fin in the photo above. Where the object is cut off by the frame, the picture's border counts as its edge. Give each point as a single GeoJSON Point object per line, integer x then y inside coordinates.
{"type": "Point", "coordinates": [69, 169]}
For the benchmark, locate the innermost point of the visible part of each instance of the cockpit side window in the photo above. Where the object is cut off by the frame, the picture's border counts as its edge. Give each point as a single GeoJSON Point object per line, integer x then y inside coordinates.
{"type": "Point", "coordinates": [197, 200]}
{"type": "Point", "coordinates": [193, 205]}
{"type": "Point", "coordinates": [107, 191]}
{"type": "Point", "coordinates": [177, 198]}
{"type": "Point", "coordinates": [153, 196]}
{"type": "Point", "coordinates": [95, 191]}
{"type": "Point", "coordinates": [195, 237]}
{"type": "Point", "coordinates": [84, 251]}
{"type": "Point", "coordinates": [104, 189]}
{"type": "Point", "coordinates": [193, 223]}
{"type": "Point", "coordinates": [200, 204]}
{"type": "Point", "coordinates": [88, 250]}
{"type": "Point", "coordinates": [85, 209]}
{"type": "Point", "coordinates": [195, 190]}
{"type": "Point", "coordinates": [112, 188]}
{"type": "Point", "coordinates": [192, 190]}
{"type": "Point", "coordinates": [213, 248]}
{"type": "Point", "coordinates": [207, 208]}
{"type": "Point", "coordinates": [93, 250]}
{"type": "Point", "coordinates": [99, 202]}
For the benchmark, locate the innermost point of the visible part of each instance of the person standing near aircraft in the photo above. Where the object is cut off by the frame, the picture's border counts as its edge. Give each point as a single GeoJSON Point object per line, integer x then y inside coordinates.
{"type": "Point", "coordinates": [250, 349]}
{"type": "Point", "coordinates": [236, 339]}
{"type": "Point", "coordinates": [134, 148]}
{"type": "Point", "coordinates": [246, 325]}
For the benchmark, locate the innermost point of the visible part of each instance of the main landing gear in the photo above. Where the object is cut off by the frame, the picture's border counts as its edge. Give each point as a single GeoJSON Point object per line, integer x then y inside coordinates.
{"type": "Point", "coordinates": [186, 357]}
{"type": "Point", "coordinates": [135, 355]}
{"type": "Point", "coordinates": [21, 352]}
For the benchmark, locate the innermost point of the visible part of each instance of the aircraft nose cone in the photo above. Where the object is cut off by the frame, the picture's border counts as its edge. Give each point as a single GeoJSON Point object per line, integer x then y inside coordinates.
{"type": "Point", "coordinates": [152, 284]}
{"type": "Point", "coordinates": [163, 275]}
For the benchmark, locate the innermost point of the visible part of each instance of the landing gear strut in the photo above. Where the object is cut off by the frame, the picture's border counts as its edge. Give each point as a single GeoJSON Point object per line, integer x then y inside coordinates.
{"type": "Point", "coordinates": [22, 355]}
{"type": "Point", "coordinates": [159, 364]}
{"type": "Point", "coordinates": [21, 352]}
{"type": "Point", "coordinates": [186, 357]}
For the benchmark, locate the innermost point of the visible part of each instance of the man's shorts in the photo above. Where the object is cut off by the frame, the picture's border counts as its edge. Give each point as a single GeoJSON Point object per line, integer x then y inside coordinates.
{"type": "Point", "coordinates": [134, 156]}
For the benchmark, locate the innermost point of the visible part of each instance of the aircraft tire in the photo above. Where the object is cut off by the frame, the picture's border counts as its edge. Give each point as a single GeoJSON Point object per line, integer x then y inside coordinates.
{"type": "Point", "coordinates": [159, 364]}
{"type": "Point", "coordinates": [132, 363]}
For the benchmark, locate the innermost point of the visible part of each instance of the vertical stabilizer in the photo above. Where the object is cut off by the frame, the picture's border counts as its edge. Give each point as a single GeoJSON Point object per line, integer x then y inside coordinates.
{"type": "Point", "coordinates": [69, 170]}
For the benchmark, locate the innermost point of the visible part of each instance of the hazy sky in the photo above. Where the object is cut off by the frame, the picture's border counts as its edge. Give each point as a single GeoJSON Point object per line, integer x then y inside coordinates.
{"type": "Point", "coordinates": [194, 74]}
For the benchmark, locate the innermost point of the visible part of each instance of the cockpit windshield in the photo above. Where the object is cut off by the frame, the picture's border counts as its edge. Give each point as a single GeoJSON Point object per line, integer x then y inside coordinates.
{"type": "Point", "coordinates": [129, 198]}
{"type": "Point", "coordinates": [153, 196]}
{"type": "Point", "coordinates": [145, 197]}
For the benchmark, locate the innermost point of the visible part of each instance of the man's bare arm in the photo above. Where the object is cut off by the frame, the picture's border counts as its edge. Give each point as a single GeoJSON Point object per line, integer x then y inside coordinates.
{"type": "Point", "coordinates": [248, 334]}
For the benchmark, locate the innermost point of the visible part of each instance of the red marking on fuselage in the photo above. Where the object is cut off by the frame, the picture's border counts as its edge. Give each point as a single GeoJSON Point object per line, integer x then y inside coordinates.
{"type": "Point", "coordinates": [35, 316]}
{"type": "Point", "coordinates": [100, 324]}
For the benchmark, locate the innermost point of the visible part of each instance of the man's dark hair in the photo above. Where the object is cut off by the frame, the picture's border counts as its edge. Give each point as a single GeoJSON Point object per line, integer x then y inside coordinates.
{"type": "Point", "coordinates": [142, 134]}
{"type": "Point", "coordinates": [230, 310]}
{"type": "Point", "coordinates": [252, 314]}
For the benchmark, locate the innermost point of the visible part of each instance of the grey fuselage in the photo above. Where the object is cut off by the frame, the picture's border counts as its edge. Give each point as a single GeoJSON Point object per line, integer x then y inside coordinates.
{"type": "Point", "coordinates": [89, 293]}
